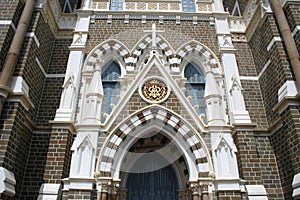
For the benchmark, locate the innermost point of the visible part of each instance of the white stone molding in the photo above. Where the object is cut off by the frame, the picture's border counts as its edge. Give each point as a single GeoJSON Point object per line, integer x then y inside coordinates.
{"type": "Point", "coordinates": [49, 191]}
{"type": "Point", "coordinates": [297, 28]}
{"type": "Point", "coordinates": [32, 34]}
{"type": "Point", "coordinates": [217, 6]}
{"type": "Point", "coordinates": [44, 72]}
{"type": "Point", "coordinates": [225, 161]}
{"type": "Point", "coordinates": [86, 4]}
{"type": "Point", "coordinates": [116, 148]}
{"type": "Point", "coordinates": [288, 89]}
{"type": "Point", "coordinates": [189, 51]}
{"type": "Point", "coordinates": [273, 41]}
{"type": "Point", "coordinates": [296, 187]}
{"type": "Point", "coordinates": [237, 109]}
{"type": "Point", "coordinates": [265, 67]}
{"type": "Point", "coordinates": [265, 7]}
{"type": "Point", "coordinates": [236, 24]}
{"type": "Point", "coordinates": [94, 97]}
{"type": "Point", "coordinates": [67, 108]}
{"type": "Point", "coordinates": [83, 156]}
{"type": "Point", "coordinates": [215, 108]}
{"type": "Point", "coordinates": [57, 19]}
{"type": "Point", "coordinates": [20, 92]}
{"type": "Point", "coordinates": [7, 182]}
{"type": "Point", "coordinates": [287, 96]}
{"type": "Point", "coordinates": [256, 192]}
{"type": "Point", "coordinates": [8, 22]}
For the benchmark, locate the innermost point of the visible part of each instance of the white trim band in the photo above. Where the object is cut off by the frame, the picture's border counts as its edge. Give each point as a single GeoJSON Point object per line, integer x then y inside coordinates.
{"type": "Point", "coordinates": [297, 28]}
{"type": "Point", "coordinates": [44, 72]}
{"type": "Point", "coordinates": [264, 68]}
{"type": "Point", "coordinates": [32, 34]}
{"type": "Point", "coordinates": [275, 39]}
{"type": "Point", "coordinates": [8, 22]}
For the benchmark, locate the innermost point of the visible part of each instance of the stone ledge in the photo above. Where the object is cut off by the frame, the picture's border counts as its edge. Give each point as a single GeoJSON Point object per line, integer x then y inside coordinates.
{"type": "Point", "coordinates": [7, 182]}
{"type": "Point", "coordinates": [296, 186]}
{"type": "Point", "coordinates": [256, 192]}
{"type": "Point", "coordinates": [49, 191]}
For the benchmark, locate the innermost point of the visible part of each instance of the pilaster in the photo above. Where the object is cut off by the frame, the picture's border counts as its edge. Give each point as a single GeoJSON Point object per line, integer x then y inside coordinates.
{"type": "Point", "coordinates": [236, 103]}
{"type": "Point", "coordinates": [67, 108]}
{"type": "Point", "coordinates": [58, 158]}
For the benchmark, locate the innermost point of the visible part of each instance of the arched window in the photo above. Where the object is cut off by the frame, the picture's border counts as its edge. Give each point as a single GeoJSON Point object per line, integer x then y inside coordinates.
{"type": "Point", "coordinates": [195, 86]}
{"type": "Point", "coordinates": [188, 5]}
{"type": "Point", "coordinates": [111, 86]}
{"type": "Point", "coordinates": [116, 5]}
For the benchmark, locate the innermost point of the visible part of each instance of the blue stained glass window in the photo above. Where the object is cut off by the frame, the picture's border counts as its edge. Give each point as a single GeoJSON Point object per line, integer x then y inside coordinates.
{"type": "Point", "coordinates": [195, 86]}
{"type": "Point", "coordinates": [116, 5]}
{"type": "Point", "coordinates": [111, 86]}
{"type": "Point", "coordinates": [188, 5]}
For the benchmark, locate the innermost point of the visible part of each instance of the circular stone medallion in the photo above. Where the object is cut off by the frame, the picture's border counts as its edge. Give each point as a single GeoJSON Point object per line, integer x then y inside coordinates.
{"type": "Point", "coordinates": [154, 90]}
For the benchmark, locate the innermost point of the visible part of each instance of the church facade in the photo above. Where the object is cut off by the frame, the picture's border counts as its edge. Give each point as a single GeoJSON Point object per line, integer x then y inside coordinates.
{"type": "Point", "coordinates": [171, 100]}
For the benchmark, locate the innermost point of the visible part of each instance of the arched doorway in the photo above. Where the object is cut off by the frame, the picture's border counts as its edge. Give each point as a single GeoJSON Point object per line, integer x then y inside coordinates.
{"type": "Point", "coordinates": [151, 177]}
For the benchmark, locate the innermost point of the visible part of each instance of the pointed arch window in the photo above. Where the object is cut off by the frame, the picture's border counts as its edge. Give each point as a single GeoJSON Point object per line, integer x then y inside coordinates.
{"type": "Point", "coordinates": [195, 86]}
{"type": "Point", "coordinates": [111, 86]}
{"type": "Point", "coordinates": [188, 5]}
{"type": "Point", "coordinates": [116, 5]}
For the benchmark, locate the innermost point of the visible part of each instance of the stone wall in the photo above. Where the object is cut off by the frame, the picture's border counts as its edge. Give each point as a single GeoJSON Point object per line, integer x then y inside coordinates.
{"type": "Point", "coordinates": [23, 150]}
{"type": "Point", "coordinates": [273, 71]}
{"type": "Point", "coordinates": [292, 11]}
{"type": "Point", "coordinates": [131, 33]}
{"type": "Point", "coordinates": [268, 165]}
{"type": "Point", "coordinates": [271, 64]}
{"type": "Point", "coordinates": [15, 140]}
{"type": "Point", "coordinates": [286, 144]}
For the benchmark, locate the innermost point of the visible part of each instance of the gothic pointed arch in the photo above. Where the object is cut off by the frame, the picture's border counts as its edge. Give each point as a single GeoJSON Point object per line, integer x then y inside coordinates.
{"type": "Point", "coordinates": [140, 52]}
{"type": "Point", "coordinates": [204, 85]}
{"type": "Point", "coordinates": [200, 54]}
{"type": "Point", "coordinates": [107, 51]}
{"type": "Point", "coordinates": [189, 143]}
{"type": "Point", "coordinates": [195, 86]}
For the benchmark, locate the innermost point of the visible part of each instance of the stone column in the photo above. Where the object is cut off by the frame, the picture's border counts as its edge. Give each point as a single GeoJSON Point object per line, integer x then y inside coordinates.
{"type": "Point", "coordinates": [204, 191]}
{"type": "Point", "coordinates": [194, 186]}
{"type": "Point", "coordinates": [122, 193]}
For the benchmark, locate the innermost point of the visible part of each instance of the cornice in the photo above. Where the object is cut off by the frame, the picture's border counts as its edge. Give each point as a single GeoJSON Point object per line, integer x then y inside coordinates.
{"type": "Point", "coordinates": [61, 24]}
{"type": "Point", "coordinates": [144, 15]}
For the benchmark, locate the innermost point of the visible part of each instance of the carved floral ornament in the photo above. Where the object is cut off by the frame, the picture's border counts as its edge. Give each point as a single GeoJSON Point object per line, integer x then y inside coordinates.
{"type": "Point", "coordinates": [154, 90]}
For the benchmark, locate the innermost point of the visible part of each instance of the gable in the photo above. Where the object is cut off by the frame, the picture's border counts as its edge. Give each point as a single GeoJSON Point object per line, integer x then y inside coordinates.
{"type": "Point", "coordinates": [131, 100]}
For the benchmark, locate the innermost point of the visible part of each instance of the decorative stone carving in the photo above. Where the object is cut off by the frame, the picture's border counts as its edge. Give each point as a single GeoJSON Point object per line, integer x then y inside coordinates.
{"type": "Point", "coordinates": [235, 91]}
{"type": "Point", "coordinates": [94, 96]}
{"type": "Point", "coordinates": [154, 90]}
{"type": "Point", "coordinates": [68, 92]}
{"type": "Point", "coordinates": [83, 156]}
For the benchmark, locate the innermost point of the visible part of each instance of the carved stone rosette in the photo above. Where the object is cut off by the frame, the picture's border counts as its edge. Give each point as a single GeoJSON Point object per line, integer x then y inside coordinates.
{"type": "Point", "coordinates": [154, 90]}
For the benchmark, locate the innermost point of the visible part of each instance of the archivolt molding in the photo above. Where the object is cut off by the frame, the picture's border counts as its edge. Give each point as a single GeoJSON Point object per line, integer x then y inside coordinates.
{"type": "Point", "coordinates": [199, 53]}
{"type": "Point", "coordinates": [175, 60]}
{"type": "Point", "coordinates": [106, 51]}
{"type": "Point", "coordinates": [196, 154]}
